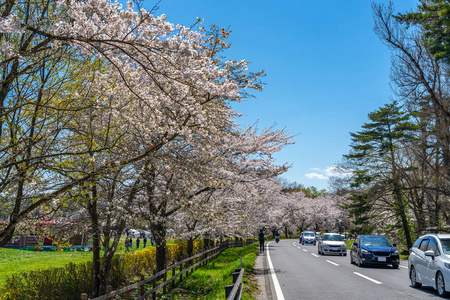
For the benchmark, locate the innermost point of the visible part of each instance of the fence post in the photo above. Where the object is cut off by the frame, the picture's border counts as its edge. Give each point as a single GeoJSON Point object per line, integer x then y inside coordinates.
{"type": "Point", "coordinates": [127, 293]}
{"type": "Point", "coordinates": [142, 286]}
{"type": "Point", "coordinates": [84, 296]}
{"type": "Point", "coordinates": [173, 281]}
{"type": "Point", "coordinates": [108, 290]}
{"type": "Point", "coordinates": [154, 284]}
{"type": "Point", "coordinates": [165, 278]}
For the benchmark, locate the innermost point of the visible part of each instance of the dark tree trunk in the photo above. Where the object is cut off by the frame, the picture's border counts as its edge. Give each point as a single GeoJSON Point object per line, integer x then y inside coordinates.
{"type": "Point", "coordinates": [190, 246]}
{"type": "Point", "coordinates": [159, 234]}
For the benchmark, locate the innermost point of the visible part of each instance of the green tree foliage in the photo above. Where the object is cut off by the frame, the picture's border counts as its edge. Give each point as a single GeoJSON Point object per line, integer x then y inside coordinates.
{"type": "Point", "coordinates": [377, 158]}
{"type": "Point", "coordinates": [433, 16]}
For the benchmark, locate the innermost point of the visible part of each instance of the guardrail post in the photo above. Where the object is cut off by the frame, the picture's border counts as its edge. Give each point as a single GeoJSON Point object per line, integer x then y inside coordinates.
{"type": "Point", "coordinates": [228, 290]}
{"type": "Point", "coordinates": [127, 293]}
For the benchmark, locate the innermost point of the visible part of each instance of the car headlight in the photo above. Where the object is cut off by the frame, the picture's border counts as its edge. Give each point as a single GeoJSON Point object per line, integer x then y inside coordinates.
{"type": "Point", "coordinates": [344, 246]}
{"type": "Point", "coordinates": [447, 265]}
{"type": "Point", "coordinates": [325, 244]}
{"type": "Point", "coordinates": [395, 253]}
{"type": "Point", "coordinates": [364, 251]}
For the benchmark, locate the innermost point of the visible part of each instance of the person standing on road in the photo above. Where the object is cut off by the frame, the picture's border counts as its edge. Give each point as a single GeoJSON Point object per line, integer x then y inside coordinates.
{"type": "Point", "coordinates": [261, 240]}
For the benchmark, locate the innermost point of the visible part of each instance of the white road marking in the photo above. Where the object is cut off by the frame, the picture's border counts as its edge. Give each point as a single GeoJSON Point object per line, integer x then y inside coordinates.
{"type": "Point", "coordinates": [404, 267]}
{"type": "Point", "coordinates": [332, 262]}
{"type": "Point", "coordinates": [313, 254]}
{"type": "Point", "coordinates": [274, 276]}
{"type": "Point", "coordinates": [293, 243]}
{"type": "Point", "coordinates": [368, 278]}
{"type": "Point", "coordinates": [299, 248]}
{"type": "Point", "coordinates": [305, 250]}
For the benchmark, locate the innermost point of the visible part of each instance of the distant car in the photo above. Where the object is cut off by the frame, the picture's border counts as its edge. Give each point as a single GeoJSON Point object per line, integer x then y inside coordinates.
{"type": "Point", "coordinates": [331, 243]}
{"type": "Point", "coordinates": [374, 249]}
{"type": "Point", "coordinates": [429, 262]}
{"type": "Point", "coordinates": [309, 237]}
{"type": "Point", "coordinates": [135, 233]}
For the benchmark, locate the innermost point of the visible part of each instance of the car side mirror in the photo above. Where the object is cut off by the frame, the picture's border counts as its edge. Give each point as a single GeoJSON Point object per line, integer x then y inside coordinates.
{"type": "Point", "coordinates": [394, 244]}
{"type": "Point", "coordinates": [429, 253]}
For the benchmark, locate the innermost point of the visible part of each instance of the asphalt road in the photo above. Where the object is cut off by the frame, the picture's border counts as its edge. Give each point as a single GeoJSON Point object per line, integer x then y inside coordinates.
{"type": "Point", "coordinates": [303, 274]}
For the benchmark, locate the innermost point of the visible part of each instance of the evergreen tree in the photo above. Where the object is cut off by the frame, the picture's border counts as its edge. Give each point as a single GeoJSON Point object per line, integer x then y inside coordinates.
{"type": "Point", "coordinates": [376, 155]}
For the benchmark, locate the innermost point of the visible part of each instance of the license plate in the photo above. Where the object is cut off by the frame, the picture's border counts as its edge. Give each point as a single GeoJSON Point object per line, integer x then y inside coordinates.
{"type": "Point", "coordinates": [381, 258]}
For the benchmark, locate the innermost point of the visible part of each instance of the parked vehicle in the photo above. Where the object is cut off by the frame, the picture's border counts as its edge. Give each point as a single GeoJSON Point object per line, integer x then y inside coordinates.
{"type": "Point", "coordinates": [429, 262]}
{"type": "Point", "coordinates": [374, 249]}
{"type": "Point", "coordinates": [309, 237]}
{"type": "Point", "coordinates": [331, 243]}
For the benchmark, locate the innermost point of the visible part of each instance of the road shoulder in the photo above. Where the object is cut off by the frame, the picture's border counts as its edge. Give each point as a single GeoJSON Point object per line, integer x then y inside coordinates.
{"type": "Point", "coordinates": [261, 272]}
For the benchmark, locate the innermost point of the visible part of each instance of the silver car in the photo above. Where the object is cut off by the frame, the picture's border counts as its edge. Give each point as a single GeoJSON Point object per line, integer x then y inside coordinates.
{"type": "Point", "coordinates": [331, 243]}
{"type": "Point", "coordinates": [429, 262]}
{"type": "Point", "coordinates": [309, 237]}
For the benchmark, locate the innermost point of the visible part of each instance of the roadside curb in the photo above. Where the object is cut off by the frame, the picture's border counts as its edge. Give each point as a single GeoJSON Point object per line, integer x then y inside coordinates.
{"type": "Point", "coordinates": [261, 272]}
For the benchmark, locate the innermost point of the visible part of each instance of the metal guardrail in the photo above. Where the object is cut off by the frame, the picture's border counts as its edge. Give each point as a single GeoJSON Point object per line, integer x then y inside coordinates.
{"type": "Point", "coordinates": [234, 292]}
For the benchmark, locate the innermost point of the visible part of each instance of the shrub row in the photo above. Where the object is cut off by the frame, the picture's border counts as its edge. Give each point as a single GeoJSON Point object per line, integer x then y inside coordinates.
{"type": "Point", "coordinates": [69, 281]}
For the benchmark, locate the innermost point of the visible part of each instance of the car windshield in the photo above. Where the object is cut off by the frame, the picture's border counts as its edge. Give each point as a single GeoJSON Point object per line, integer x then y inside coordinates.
{"type": "Point", "coordinates": [332, 237]}
{"type": "Point", "coordinates": [308, 234]}
{"type": "Point", "coordinates": [445, 246]}
{"type": "Point", "coordinates": [376, 241]}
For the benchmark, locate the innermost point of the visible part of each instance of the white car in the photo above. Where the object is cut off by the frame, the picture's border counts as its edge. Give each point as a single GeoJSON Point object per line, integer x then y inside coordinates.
{"type": "Point", "coordinates": [331, 243]}
{"type": "Point", "coordinates": [429, 262]}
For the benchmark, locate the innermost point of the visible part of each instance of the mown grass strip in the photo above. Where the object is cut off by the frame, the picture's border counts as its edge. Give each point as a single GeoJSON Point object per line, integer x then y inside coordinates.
{"type": "Point", "coordinates": [209, 282]}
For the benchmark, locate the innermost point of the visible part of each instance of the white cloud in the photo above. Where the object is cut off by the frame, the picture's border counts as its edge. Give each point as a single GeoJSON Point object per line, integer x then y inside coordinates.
{"type": "Point", "coordinates": [333, 171]}
{"type": "Point", "coordinates": [315, 175]}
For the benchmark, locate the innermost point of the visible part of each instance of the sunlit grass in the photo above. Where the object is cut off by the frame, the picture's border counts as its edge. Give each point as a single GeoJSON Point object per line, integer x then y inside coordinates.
{"type": "Point", "coordinates": [209, 282]}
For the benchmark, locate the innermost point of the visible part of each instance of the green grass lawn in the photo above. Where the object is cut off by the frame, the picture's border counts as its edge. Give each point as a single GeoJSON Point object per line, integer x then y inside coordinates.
{"type": "Point", "coordinates": [209, 282]}
{"type": "Point", "coordinates": [14, 261]}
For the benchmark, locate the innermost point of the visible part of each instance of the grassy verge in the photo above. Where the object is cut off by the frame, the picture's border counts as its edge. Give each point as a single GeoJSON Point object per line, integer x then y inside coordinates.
{"type": "Point", "coordinates": [209, 282]}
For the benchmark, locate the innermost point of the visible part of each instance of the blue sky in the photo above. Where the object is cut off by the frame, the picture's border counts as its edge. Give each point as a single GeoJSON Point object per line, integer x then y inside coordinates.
{"type": "Point", "coordinates": [326, 70]}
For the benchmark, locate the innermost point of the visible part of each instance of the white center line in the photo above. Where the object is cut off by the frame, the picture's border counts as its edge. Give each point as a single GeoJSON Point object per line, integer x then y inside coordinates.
{"type": "Point", "coordinates": [404, 267]}
{"type": "Point", "coordinates": [332, 262]}
{"type": "Point", "coordinates": [313, 254]}
{"type": "Point", "coordinates": [299, 248]}
{"type": "Point", "coordinates": [368, 278]}
{"type": "Point", "coordinates": [305, 250]}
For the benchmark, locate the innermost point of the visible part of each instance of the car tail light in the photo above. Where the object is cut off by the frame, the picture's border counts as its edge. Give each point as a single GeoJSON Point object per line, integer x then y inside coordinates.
{"type": "Point", "coordinates": [410, 250]}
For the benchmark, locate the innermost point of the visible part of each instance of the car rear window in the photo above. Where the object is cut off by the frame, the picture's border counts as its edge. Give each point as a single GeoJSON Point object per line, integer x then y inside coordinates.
{"type": "Point", "coordinates": [445, 246]}
{"type": "Point", "coordinates": [378, 241]}
{"type": "Point", "coordinates": [332, 237]}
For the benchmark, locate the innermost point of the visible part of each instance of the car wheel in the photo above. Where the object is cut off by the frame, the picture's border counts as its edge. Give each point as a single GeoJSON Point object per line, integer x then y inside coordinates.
{"type": "Point", "coordinates": [440, 285]}
{"type": "Point", "coordinates": [303, 243]}
{"type": "Point", "coordinates": [345, 254]}
{"type": "Point", "coordinates": [359, 261]}
{"type": "Point", "coordinates": [395, 266]}
{"type": "Point", "coordinates": [413, 277]}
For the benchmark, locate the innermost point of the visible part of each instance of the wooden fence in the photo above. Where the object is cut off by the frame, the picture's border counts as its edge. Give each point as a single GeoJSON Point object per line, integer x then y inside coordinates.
{"type": "Point", "coordinates": [185, 265]}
